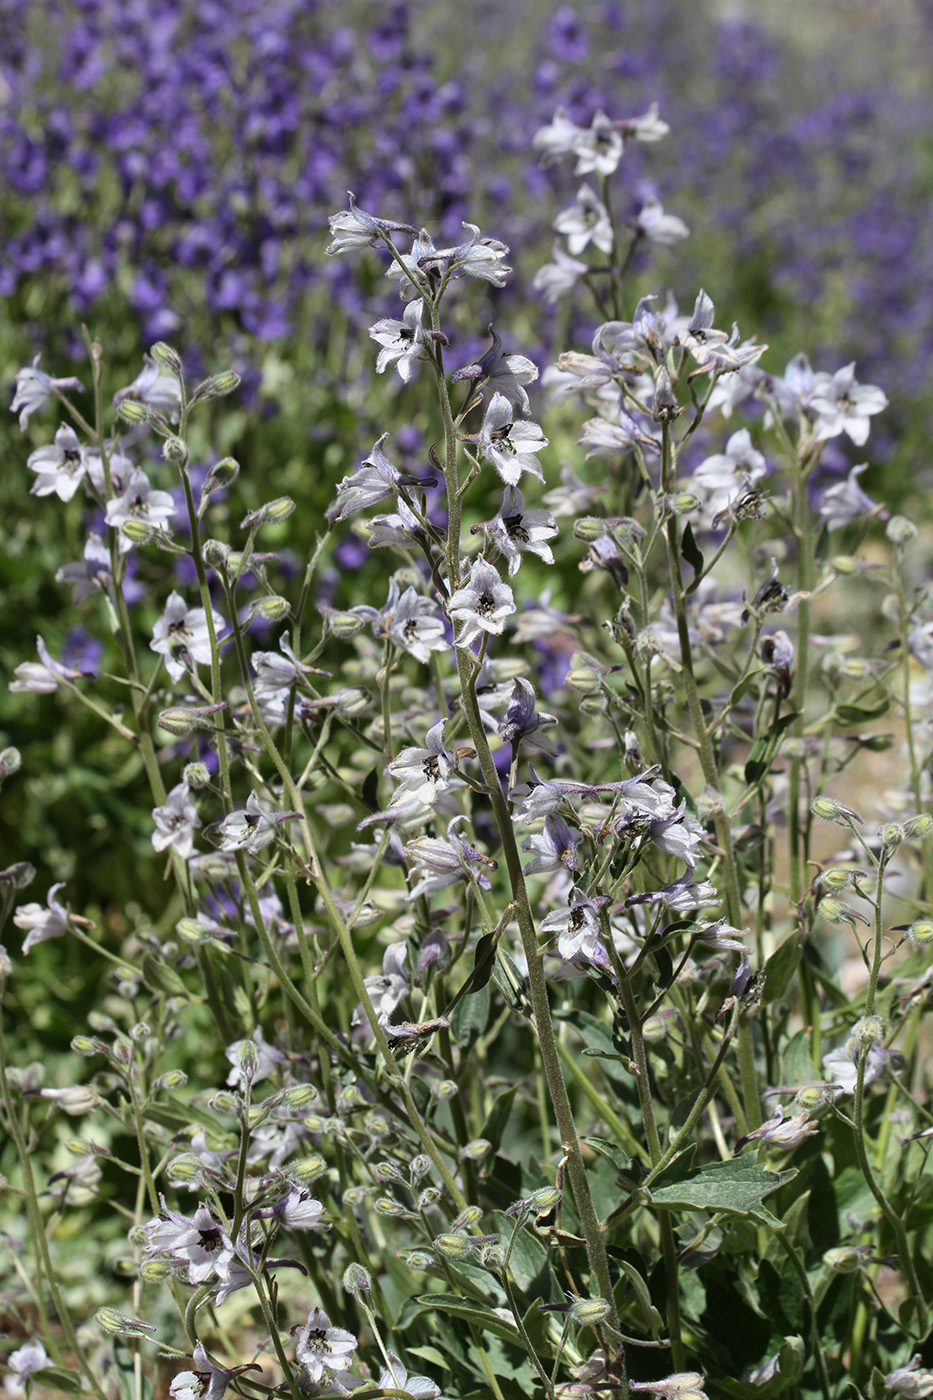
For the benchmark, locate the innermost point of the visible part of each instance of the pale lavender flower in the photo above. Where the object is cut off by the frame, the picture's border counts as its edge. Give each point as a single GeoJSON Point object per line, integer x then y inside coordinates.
{"type": "Point", "coordinates": [510, 446]}
{"type": "Point", "coordinates": [577, 926]}
{"type": "Point", "coordinates": [726, 476]}
{"type": "Point", "coordinates": [586, 222]}
{"type": "Point", "coordinates": [155, 388]}
{"type": "Point", "coordinates": [121, 469]}
{"type": "Point", "coordinates": [181, 636]}
{"type": "Point", "coordinates": [515, 530]}
{"type": "Point", "coordinates": [699, 338]}
{"type": "Point", "coordinates": [501, 373]}
{"type": "Point", "coordinates": [846, 502]}
{"type": "Point", "coordinates": [251, 829]}
{"type": "Point", "coordinates": [684, 895]}
{"type": "Point", "coordinates": [42, 923]}
{"type": "Point", "coordinates": [373, 481]}
{"type": "Point", "coordinates": [399, 530]}
{"type": "Point", "coordinates": [679, 835]}
{"type": "Point", "coordinates": [913, 1381]}
{"type": "Point", "coordinates": [417, 268]}
{"type": "Point", "coordinates": [598, 147]}
{"type": "Point", "coordinates": [480, 257]}
{"type": "Point", "coordinates": [539, 798]}
{"type": "Point", "coordinates": [388, 987]}
{"type": "Point", "coordinates": [205, 1382]}
{"type": "Point", "coordinates": [554, 847]}
{"type": "Point", "coordinates": [441, 863]}
{"type": "Point", "coordinates": [198, 1240]}
{"type": "Point", "coordinates": [402, 341]}
{"type": "Point", "coordinates": [353, 228]}
{"type": "Point", "coordinates": [322, 1348]}
{"type": "Point", "coordinates": [649, 127]}
{"type": "Point", "coordinates": [90, 575]}
{"type": "Point", "coordinates": [523, 722]}
{"type": "Point", "coordinates": [176, 822]}
{"type": "Point", "coordinates": [60, 467]}
{"type": "Point", "coordinates": [782, 1132]}
{"type": "Point", "coordinates": [842, 1064]}
{"type": "Point", "coordinates": [43, 676]}
{"type": "Point", "coordinates": [395, 1377]}
{"type": "Point", "coordinates": [842, 405]}
{"type": "Point", "coordinates": [31, 1356]}
{"type": "Point", "coordinates": [422, 773]}
{"type": "Point", "coordinates": [411, 622]}
{"type": "Point", "coordinates": [34, 388]}
{"type": "Point", "coordinates": [658, 227]}
{"type": "Point", "coordinates": [604, 439]}
{"type": "Point", "coordinates": [558, 139]}
{"type": "Point", "coordinates": [556, 279]}
{"type": "Point", "coordinates": [300, 1211]}
{"type": "Point", "coordinates": [140, 501]}
{"type": "Point", "coordinates": [482, 604]}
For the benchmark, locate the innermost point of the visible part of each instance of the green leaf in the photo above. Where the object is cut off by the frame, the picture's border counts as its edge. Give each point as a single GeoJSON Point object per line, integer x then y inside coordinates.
{"type": "Point", "coordinates": [469, 1018]}
{"type": "Point", "coordinates": [159, 977]}
{"type": "Point", "coordinates": [508, 979]}
{"type": "Point", "coordinates": [58, 1378]}
{"type": "Point", "coordinates": [499, 1115]}
{"type": "Point", "coordinates": [451, 1305]}
{"type": "Point", "coordinates": [764, 749]}
{"type": "Point", "coordinates": [528, 1258]}
{"type": "Point", "coordinates": [780, 968]}
{"type": "Point", "coordinates": [617, 1157]}
{"type": "Point", "coordinates": [860, 714]}
{"type": "Point", "coordinates": [691, 551]}
{"type": "Point", "coordinates": [731, 1188]}
{"type": "Point", "coordinates": [650, 1316]}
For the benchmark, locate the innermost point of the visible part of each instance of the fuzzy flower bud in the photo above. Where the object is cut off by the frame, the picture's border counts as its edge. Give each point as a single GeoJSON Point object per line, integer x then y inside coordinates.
{"type": "Point", "coordinates": [446, 1089]}
{"type": "Point", "coordinates": [216, 555]}
{"type": "Point", "coordinates": [900, 531]}
{"type": "Point", "coordinates": [453, 1247]}
{"type": "Point", "coordinates": [476, 1150]}
{"type": "Point", "coordinates": [117, 1324]}
{"type": "Point", "coordinates": [273, 513]}
{"type": "Point", "coordinates": [271, 609]}
{"type": "Point", "coordinates": [185, 1170]}
{"type": "Point", "coordinates": [356, 1280]}
{"type": "Point", "coordinates": [921, 933]}
{"type": "Point", "coordinates": [195, 776]}
{"type": "Point", "coordinates": [134, 412]}
{"type": "Point", "coordinates": [175, 449]}
{"type": "Point", "coordinates": [157, 1271]}
{"type": "Point", "coordinates": [892, 834]}
{"type": "Point", "coordinates": [221, 475]}
{"type": "Point", "coordinates": [915, 829]}
{"type": "Point", "coordinates": [10, 762]}
{"type": "Point", "coordinates": [217, 386]}
{"type": "Point", "coordinates": [828, 810]}
{"type": "Point", "coordinates": [589, 1312]}
{"type": "Point", "coordinates": [846, 1259]}
{"type": "Point", "coordinates": [868, 1031]}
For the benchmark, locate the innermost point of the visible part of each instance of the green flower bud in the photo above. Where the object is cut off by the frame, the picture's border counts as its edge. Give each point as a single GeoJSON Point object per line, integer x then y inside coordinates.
{"type": "Point", "coordinates": [846, 1259]}
{"type": "Point", "coordinates": [10, 762]}
{"type": "Point", "coordinates": [344, 624]}
{"type": "Point", "coordinates": [846, 564]}
{"type": "Point", "coordinates": [868, 1031]}
{"type": "Point", "coordinates": [117, 1324]}
{"type": "Point", "coordinates": [356, 1280]}
{"type": "Point", "coordinates": [385, 1205]}
{"type": "Point", "coordinates": [446, 1089]}
{"type": "Point", "coordinates": [299, 1095]}
{"type": "Point", "coordinates": [469, 1216]}
{"type": "Point", "coordinates": [196, 776]}
{"type": "Point", "coordinates": [134, 412]}
{"type": "Point", "coordinates": [216, 386]}
{"type": "Point", "coordinates": [419, 1260]}
{"type": "Point", "coordinates": [387, 1171]}
{"type": "Point", "coordinates": [223, 1101]}
{"type": "Point", "coordinates": [589, 1312]}
{"type": "Point", "coordinates": [921, 933]}
{"type": "Point", "coordinates": [595, 704]}
{"type": "Point", "coordinates": [476, 1150]}
{"type": "Point", "coordinates": [165, 356]}
{"type": "Point", "coordinates": [915, 829]}
{"type": "Point", "coordinates": [157, 1271]}
{"type": "Point", "coordinates": [419, 1167]}
{"type": "Point", "coordinates": [589, 528]}
{"type": "Point", "coordinates": [185, 719]}
{"type": "Point", "coordinates": [811, 1097]}
{"type": "Point", "coordinates": [302, 1173]}
{"type": "Point", "coordinates": [216, 555]}
{"type": "Point", "coordinates": [137, 531]}
{"type": "Point", "coordinates": [583, 679]}
{"type": "Point", "coordinates": [836, 880]}
{"type": "Point", "coordinates": [273, 513]}
{"type": "Point", "coordinates": [175, 449]}
{"type": "Point", "coordinates": [170, 1081]}
{"type": "Point", "coordinates": [272, 608]}
{"type": "Point", "coordinates": [828, 810]}
{"type": "Point", "coordinates": [429, 1197]}
{"type": "Point", "coordinates": [892, 834]}
{"type": "Point", "coordinates": [900, 531]}
{"type": "Point", "coordinates": [454, 1247]}
{"type": "Point", "coordinates": [84, 1045]}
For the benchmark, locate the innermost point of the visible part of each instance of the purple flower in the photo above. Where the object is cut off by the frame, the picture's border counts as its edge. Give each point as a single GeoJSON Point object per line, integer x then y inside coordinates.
{"type": "Point", "coordinates": [42, 923]}
{"type": "Point", "coordinates": [34, 388]}
{"type": "Point", "coordinates": [374, 481]}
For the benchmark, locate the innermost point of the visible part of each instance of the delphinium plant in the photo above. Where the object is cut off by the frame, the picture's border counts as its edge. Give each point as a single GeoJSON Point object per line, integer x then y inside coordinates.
{"type": "Point", "coordinates": [492, 1026]}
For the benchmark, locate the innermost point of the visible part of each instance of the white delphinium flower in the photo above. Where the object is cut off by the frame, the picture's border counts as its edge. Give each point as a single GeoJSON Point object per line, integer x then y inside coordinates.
{"type": "Point", "coordinates": [658, 227]}
{"type": "Point", "coordinates": [140, 501]}
{"type": "Point", "coordinates": [198, 1240]}
{"type": "Point", "coordinates": [121, 469]}
{"type": "Point", "coordinates": [417, 265]}
{"type": "Point", "coordinates": [913, 1381]}
{"type": "Point", "coordinates": [586, 222]}
{"type": "Point", "coordinates": [205, 1382]}
{"type": "Point", "coordinates": [726, 476]}
{"type": "Point", "coordinates": [60, 467]}
{"type": "Point", "coordinates": [441, 863]}
{"type": "Point", "coordinates": [43, 676]}
{"type": "Point", "coordinates": [322, 1348]}
{"type": "Point", "coordinates": [408, 619]}
{"type": "Point", "coordinates": [42, 923]}
{"type": "Point", "coordinates": [480, 256]}
{"type": "Point", "coordinates": [34, 388]}
{"type": "Point", "coordinates": [501, 374]}
{"type": "Point", "coordinates": [515, 530]}
{"type": "Point", "coordinates": [508, 445]}
{"type": "Point", "coordinates": [176, 822]}
{"type": "Point", "coordinates": [402, 341]}
{"type": "Point", "coordinates": [842, 405]}
{"type": "Point", "coordinates": [554, 847]}
{"type": "Point", "coordinates": [846, 502]}
{"type": "Point", "coordinates": [402, 529]}
{"type": "Point", "coordinates": [558, 139]}
{"type": "Point", "coordinates": [373, 481]}
{"type": "Point", "coordinates": [395, 1377]}
{"type": "Point", "coordinates": [181, 636]}
{"type": "Point", "coordinates": [422, 773]}
{"type": "Point", "coordinates": [388, 987]}
{"type": "Point", "coordinates": [353, 228]}
{"type": "Point", "coordinates": [481, 605]}
{"type": "Point", "coordinates": [598, 147]}
{"type": "Point", "coordinates": [680, 836]}
{"type": "Point", "coordinates": [555, 279]}
{"type": "Point", "coordinates": [251, 829]}
{"type": "Point", "coordinates": [157, 388]}
{"type": "Point", "coordinates": [89, 575]}
{"type": "Point", "coordinates": [300, 1211]}
{"type": "Point", "coordinates": [577, 926]}
{"type": "Point", "coordinates": [31, 1356]}
{"type": "Point", "coordinates": [780, 1131]}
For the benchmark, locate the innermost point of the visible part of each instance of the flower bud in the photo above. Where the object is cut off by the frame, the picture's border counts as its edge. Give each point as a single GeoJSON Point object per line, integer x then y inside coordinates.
{"type": "Point", "coordinates": [868, 1031]}
{"type": "Point", "coordinates": [356, 1280]}
{"type": "Point", "coordinates": [216, 555]}
{"type": "Point", "coordinates": [476, 1150]}
{"type": "Point", "coordinates": [137, 531]}
{"type": "Point", "coordinates": [344, 624]}
{"type": "Point", "coordinates": [915, 829]}
{"type": "Point", "coordinates": [299, 1096]}
{"type": "Point", "coordinates": [420, 1167]}
{"type": "Point", "coordinates": [175, 449]}
{"type": "Point", "coordinates": [195, 776]}
{"type": "Point", "coordinates": [429, 1197]}
{"type": "Point", "coordinates": [846, 564]}
{"type": "Point", "coordinates": [302, 1173]}
{"type": "Point", "coordinates": [165, 356]}
{"type": "Point", "coordinates": [20, 875]}
{"type": "Point", "coordinates": [223, 1101]}
{"type": "Point", "coordinates": [828, 810]}
{"type": "Point", "coordinates": [184, 719]}
{"type": "Point", "coordinates": [846, 1259]}
{"type": "Point", "coordinates": [900, 531]}
{"type": "Point", "coordinates": [271, 609]}
{"type": "Point", "coordinates": [589, 528]}
{"type": "Point", "coordinates": [273, 513]}
{"type": "Point", "coordinates": [385, 1205]}
{"type": "Point", "coordinates": [170, 1081]}
{"type": "Point", "coordinates": [594, 704]}
{"type": "Point", "coordinates": [352, 702]}
{"type": "Point", "coordinates": [157, 1271]}
{"type": "Point", "coordinates": [469, 1216]}
{"type": "Point", "coordinates": [216, 386]}
{"type": "Point", "coordinates": [134, 412]}
{"type": "Point", "coordinates": [812, 1096]}
{"type": "Point", "coordinates": [84, 1045]}
{"type": "Point", "coordinates": [221, 475]}
{"type": "Point", "coordinates": [583, 679]}
{"type": "Point", "coordinates": [453, 1247]}
{"type": "Point", "coordinates": [446, 1089]}
{"type": "Point", "coordinates": [836, 880]}
{"type": "Point", "coordinates": [185, 1170]}
{"type": "Point", "coordinates": [419, 1260]}
{"type": "Point", "coordinates": [589, 1312]}
{"type": "Point", "coordinates": [921, 933]}
{"type": "Point", "coordinates": [892, 834]}
{"type": "Point", "coordinates": [117, 1324]}
{"type": "Point", "coordinates": [10, 762]}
